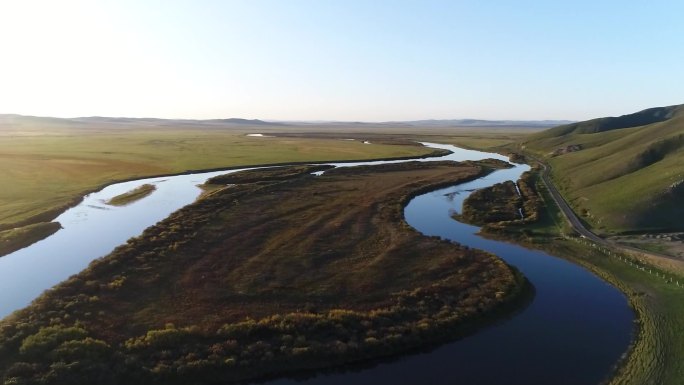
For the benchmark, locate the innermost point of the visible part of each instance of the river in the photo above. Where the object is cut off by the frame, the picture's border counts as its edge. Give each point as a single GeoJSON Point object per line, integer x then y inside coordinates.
{"type": "Point", "coordinates": [573, 332]}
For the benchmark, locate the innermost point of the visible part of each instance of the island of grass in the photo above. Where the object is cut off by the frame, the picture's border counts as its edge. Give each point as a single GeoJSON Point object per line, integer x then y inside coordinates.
{"type": "Point", "coordinates": [14, 239]}
{"type": "Point", "coordinates": [134, 195]}
{"type": "Point", "coordinates": [503, 206]}
{"type": "Point", "coordinates": [264, 278]}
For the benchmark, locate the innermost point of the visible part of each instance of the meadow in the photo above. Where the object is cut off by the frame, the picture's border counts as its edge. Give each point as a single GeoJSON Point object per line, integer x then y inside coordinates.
{"type": "Point", "coordinates": [47, 172]}
{"type": "Point", "coordinates": [621, 174]}
{"type": "Point", "coordinates": [49, 164]}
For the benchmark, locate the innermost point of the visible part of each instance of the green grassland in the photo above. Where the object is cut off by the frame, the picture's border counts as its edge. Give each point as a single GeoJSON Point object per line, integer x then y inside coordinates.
{"type": "Point", "coordinates": [215, 293]}
{"type": "Point", "coordinates": [480, 138]}
{"type": "Point", "coordinates": [484, 138]}
{"type": "Point", "coordinates": [45, 170]}
{"type": "Point", "coordinates": [624, 176]}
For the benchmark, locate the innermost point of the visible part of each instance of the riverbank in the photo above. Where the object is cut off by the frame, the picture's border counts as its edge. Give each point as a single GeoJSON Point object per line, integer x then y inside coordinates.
{"type": "Point", "coordinates": [382, 289]}
{"type": "Point", "coordinates": [15, 239]}
{"type": "Point", "coordinates": [654, 356]}
{"type": "Point", "coordinates": [657, 346]}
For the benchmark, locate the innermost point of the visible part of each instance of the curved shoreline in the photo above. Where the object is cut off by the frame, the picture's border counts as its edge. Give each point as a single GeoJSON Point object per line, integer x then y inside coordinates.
{"type": "Point", "coordinates": [639, 308]}
{"type": "Point", "coordinates": [501, 314]}
{"type": "Point", "coordinates": [646, 328]}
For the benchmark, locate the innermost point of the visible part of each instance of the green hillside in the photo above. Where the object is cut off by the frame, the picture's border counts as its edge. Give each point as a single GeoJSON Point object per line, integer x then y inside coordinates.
{"type": "Point", "coordinates": [620, 173]}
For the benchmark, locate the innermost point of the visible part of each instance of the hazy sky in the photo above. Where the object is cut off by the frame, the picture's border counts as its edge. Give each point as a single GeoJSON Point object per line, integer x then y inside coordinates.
{"type": "Point", "coordinates": [340, 60]}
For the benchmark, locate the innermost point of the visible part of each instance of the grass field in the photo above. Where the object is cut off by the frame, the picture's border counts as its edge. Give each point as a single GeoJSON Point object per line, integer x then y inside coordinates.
{"type": "Point", "coordinates": [620, 179]}
{"type": "Point", "coordinates": [479, 138]}
{"type": "Point", "coordinates": [483, 138]}
{"type": "Point", "coordinates": [47, 171]}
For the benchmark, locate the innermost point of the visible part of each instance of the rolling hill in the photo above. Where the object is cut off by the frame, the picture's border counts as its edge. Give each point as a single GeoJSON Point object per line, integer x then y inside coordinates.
{"type": "Point", "coordinates": [621, 173]}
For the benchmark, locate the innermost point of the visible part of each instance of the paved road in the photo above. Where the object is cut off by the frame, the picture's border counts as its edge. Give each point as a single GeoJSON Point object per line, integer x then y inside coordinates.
{"type": "Point", "coordinates": [579, 227]}
{"type": "Point", "coordinates": [575, 222]}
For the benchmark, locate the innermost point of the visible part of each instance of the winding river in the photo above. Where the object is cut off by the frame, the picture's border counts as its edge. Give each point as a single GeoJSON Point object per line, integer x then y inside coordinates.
{"type": "Point", "coordinates": [573, 332]}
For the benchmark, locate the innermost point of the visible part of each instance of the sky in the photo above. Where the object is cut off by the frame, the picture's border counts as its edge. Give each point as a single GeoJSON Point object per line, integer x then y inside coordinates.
{"type": "Point", "coordinates": [366, 60]}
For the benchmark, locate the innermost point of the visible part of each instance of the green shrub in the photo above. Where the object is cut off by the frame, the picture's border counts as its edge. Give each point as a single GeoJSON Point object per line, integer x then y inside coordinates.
{"type": "Point", "coordinates": [48, 338]}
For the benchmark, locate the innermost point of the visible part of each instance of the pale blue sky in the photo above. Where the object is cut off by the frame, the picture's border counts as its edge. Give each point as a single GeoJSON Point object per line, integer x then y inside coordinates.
{"type": "Point", "coordinates": [340, 60]}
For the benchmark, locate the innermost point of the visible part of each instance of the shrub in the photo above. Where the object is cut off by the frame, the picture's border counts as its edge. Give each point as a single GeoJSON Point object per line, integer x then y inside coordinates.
{"type": "Point", "coordinates": [48, 338]}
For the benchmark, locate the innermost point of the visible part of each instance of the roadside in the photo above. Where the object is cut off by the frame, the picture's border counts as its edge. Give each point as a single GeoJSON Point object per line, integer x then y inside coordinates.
{"type": "Point", "coordinates": [658, 259]}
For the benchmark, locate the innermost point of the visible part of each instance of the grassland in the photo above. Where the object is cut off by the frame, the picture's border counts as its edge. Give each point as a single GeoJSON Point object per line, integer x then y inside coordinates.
{"type": "Point", "coordinates": [482, 138]}
{"type": "Point", "coordinates": [49, 164]}
{"type": "Point", "coordinates": [478, 138]}
{"type": "Point", "coordinates": [48, 172]}
{"type": "Point", "coordinates": [131, 196]}
{"type": "Point", "coordinates": [624, 173]}
{"type": "Point", "coordinates": [216, 292]}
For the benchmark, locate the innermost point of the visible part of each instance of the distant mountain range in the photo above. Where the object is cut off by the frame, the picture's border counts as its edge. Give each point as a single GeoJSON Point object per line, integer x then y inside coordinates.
{"type": "Point", "coordinates": [11, 118]}
{"type": "Point", "coordinates": [149, 121]}
{"type": "Point", "coordinates": [19, 119]}
{"type": "Point", "coordinates": [482, 123]}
